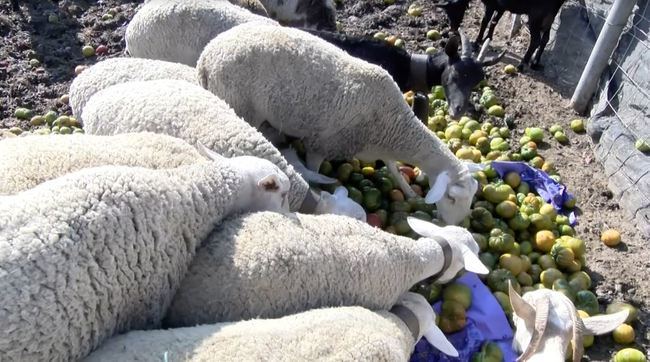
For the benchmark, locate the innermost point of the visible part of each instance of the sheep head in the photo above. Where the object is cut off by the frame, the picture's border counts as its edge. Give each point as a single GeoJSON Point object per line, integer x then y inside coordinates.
{"type": "Point", "coordinates": [339, 203]}
{"type": "Point", "coordinates": [464, 249]}
{"type": "Point", "coordinates": [546, 321]}
{"type": "Point", "coordinates": [426, 321]}
{"type": "Point", "coordinates": [453, 197]}
{"type": "Point", "coordinates": [267, 186]}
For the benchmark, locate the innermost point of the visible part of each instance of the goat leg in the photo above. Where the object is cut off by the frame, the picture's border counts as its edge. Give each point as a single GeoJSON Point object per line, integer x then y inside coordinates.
{"type": "Point", "coordinates": [548, 23]}
{"type": "Point", "coordinates": [494, 22]}
{"type": "Point", "coordinates": [489, 13]}
{"type": "Point", "coordinates": [535, 35]}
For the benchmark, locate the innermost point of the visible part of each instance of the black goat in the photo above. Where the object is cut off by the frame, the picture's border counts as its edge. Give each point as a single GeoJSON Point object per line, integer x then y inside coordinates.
{"type": "Point", "coordinates": [541, 14]}
{"type": "Point", "coordinates": [458, 73]}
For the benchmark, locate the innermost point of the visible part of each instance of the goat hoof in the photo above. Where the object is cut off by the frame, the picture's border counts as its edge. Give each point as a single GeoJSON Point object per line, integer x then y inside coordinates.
{"type": "Point", "coordinates": [521, 67]}
{"type": "Point", "coordinates": [537, 66]}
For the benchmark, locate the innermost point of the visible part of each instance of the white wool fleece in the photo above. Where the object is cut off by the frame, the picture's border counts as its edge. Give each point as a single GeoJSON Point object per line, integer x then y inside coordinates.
{"type": "Point", "coordinates": [102, 251]}
{"type": "Point", "coordinates": [119, 70]}
{"type": "Point", "coordinates": [339, 105]}
{"type": "Point", "coordinates": [186, 111]}
{"type": "Point", "coordinates": [332, 334]}
{"type": "Point", "coordinates": [178, 30]}
{"type": "Point", "coordinates": [269, 265]}
{"type": "Point", "coordinates": [28, 161]}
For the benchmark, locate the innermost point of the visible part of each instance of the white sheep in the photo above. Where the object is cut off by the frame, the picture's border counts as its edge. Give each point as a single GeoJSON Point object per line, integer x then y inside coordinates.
{"type": "Point", "coordinates": [253, 6]}
{"type": "Point", "coordinates": [178, 30]}
{"type": "Point", "coordinates": [119, 70]}
{"type": "Point", "coordinates": [340, 106]}
{"type": "Point", "coordinates": [102, 250]}
{"type": "Point", "coordinates": [187, 111]}
{"type": "Point", "coordinates": [342, 333]}
{"type": "Point", "coordinates": [28, 161]}
{"type": "Point", "coordinates": [268, 265]}
{"type": "Point", "coordinates": [546, 322]}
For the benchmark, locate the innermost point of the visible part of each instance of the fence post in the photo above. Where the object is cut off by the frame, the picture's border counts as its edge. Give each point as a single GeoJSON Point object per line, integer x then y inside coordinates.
{"type": "Point", "coordinates": [607, 40]}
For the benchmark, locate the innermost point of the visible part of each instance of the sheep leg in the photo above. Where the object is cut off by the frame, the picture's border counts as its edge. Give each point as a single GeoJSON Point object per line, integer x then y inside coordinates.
{"type": "Point", "coordinates": [403, 185]}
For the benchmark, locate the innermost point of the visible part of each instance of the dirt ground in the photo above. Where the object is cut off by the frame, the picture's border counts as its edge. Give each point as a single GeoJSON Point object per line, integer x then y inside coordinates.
{"type": "Point", "coordinates": [619, 273]}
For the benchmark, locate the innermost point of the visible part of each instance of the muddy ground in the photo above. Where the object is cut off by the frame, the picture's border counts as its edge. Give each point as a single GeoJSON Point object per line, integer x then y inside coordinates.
{"type": "Point", "coordinates": [619, 273]}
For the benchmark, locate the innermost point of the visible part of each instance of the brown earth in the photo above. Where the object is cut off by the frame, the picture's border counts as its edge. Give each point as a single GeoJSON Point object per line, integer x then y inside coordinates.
{"type": "Point", "coordinates": [620, 273]}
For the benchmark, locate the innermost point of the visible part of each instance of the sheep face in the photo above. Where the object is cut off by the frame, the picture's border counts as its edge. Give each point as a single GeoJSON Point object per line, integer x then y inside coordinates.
{"type": "Point", "coordinates": [339, 203]}
{"type": "Point", "coordinates": [453, 199]}
{"type": "Point", "coordinates": [546, 321]}
{"type": "Point", "coordinates": [464, 248]}
{"type": "Point", "coordinates": [266, 187]}
{"type": "Point", "coordinates": [417, 304]}
{"type": "Point", "coordinates": [269, 184]}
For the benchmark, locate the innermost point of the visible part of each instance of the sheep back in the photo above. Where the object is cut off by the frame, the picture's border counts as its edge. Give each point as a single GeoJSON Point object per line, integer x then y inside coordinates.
{"type": "Point", "coordinates": [178, 30]}
{"type": "Point", "coordinates": [269, 265]}
{"type": "Point", "coordinates": [101, 251]}
{"type": "Point", "coordinates": [119, 70]}
{"type": "Point", "coordinates": [28, 161]}
{"type": "Point", "coordinates": [186, 111]}
{"type": "Point", "coordinates": [344, 333]}
{"type": "Point", "coordinates": [316, 91]}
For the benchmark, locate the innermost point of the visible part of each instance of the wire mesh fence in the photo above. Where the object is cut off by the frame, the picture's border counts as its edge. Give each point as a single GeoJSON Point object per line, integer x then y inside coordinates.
{"type": "Point", "coordinates": [621, 116]}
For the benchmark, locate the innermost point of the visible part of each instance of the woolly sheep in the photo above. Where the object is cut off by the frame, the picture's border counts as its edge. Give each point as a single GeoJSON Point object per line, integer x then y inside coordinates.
{"type": "Point", "coordinates": [120, 70]}
{"type": "Point", "coordinates": [546, 321]}
{"type": "Point", "coordinates": [178, 30]}
{"type": "Point", "coordinates": [253, 6]}
{"type": "Point", "coordinates": [340, 106]}
{"type": "Point", "coordinates": [187, 111]}
{"type": "Point", "coordinates": [342, 333]}
{"type": "Point", "coordinates": [102, 250]}
{"type": "Point", "coordinates": [268, 265]}
{"type": "Point", "coordinates": [28, 161]}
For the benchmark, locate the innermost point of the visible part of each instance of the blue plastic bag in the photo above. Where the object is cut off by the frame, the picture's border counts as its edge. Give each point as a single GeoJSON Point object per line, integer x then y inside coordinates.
{"type": "Point", "coordinates": [552, 192]}
{"type": "Point", "coordinates": [485, 322]}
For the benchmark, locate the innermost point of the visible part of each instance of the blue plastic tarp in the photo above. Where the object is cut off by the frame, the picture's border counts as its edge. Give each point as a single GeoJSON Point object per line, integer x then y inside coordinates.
{"type": "Point", "coordinates": [486, 321]}
{"type": "Point", "coordinates": [551, 191]}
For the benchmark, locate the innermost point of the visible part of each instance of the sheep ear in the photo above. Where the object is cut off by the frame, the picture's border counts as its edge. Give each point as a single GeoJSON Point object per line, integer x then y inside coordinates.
{"type": "Point", "coordinates": [341, 191]}
{"type": "Point", "coordinates": [605, 323]}
{"type": "Point", "coordinates": [438, 339]}
{"type": "Point", "coordinates": [522, 309]}
{"type": "Point", "coordinates": [471, 261]}
{"type": "Point", "coordinates": [438, 189]}
{"type": "Point", "coordinates": [422, 227]}
{"type": "Point", "coordinates": [269, 183]}
{"type": "Point", "coordinates": [208, 153]}
{"type": "Point", "coordinates": [474, 167]}
{"type": "Point", "coordinates": [542, 308]}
